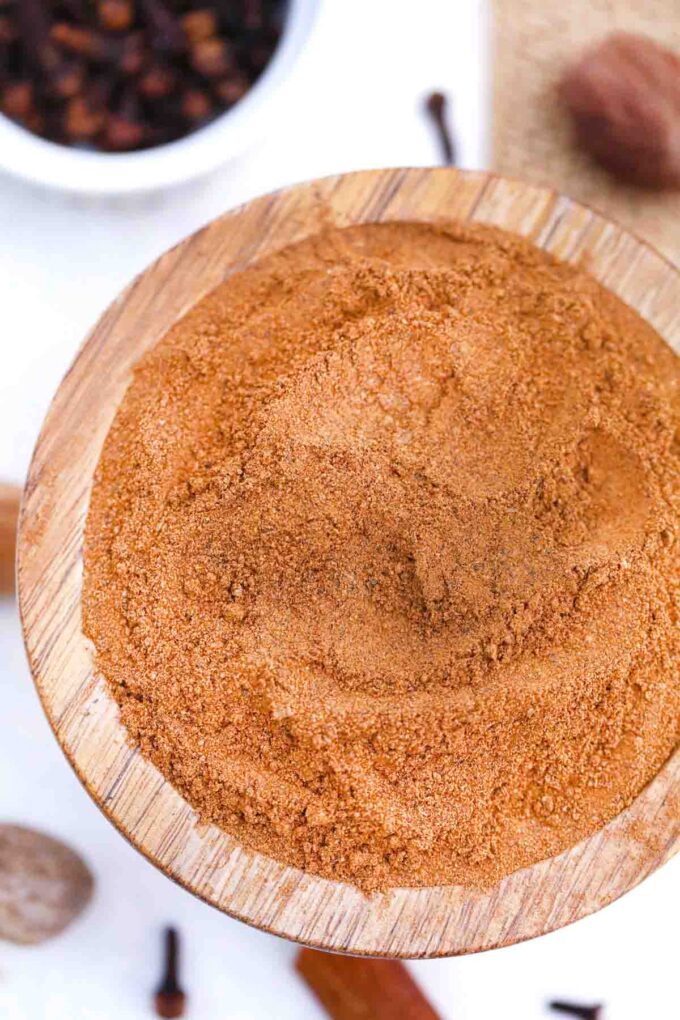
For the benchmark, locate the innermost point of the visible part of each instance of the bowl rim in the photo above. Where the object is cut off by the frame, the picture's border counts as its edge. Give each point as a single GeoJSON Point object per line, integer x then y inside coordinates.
{"type": "Point", "coordinates": [415, 923]}
{"type": "Point", "coordinates": [81, 171]}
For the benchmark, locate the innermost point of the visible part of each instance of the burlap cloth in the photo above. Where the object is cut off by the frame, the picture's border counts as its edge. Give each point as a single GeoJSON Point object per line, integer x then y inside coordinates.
{"type": "Point", "coordinates": [533, 41]}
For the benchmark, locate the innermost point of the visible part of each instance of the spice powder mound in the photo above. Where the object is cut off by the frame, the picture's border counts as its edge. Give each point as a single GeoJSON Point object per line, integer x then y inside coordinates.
{"type": "Point", "coordinates": [381, 560]}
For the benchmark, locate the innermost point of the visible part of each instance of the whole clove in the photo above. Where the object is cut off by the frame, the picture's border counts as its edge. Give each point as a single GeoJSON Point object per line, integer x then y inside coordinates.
{"type": "Point", "coordinates": [167, 34]}
{"type": "Point", "coordinates": [116, 15]}
{"type": "Point", "coordinates": [33, 28]}
{"type": "Point", "coordinates": [210, 58]}
{"type": "Point", "coordinates": [196, 104]}
{"type": "Point", "coordinates": [230, 89]}
{"type": "Point", "coordinates": [574, 1009]}
{"type": "Point", "coordinates": [158, 81]}
{"type": "Point", "coordinates": [170, 999]}
{"type": "Point", "coordinates": [16, 99]}
{"type": "Point", "coordinates": [435, 106]}
{"type": "Point", "coordinates": [253, 13]}
{"type": "Point", "coordinates": [8, 30]}
{"type": "Point", "coordinates": [125, 129]}
{"type": "Point", "coordinates": [85, 42]}
{"type": "Point", "coordinates": [134, 55]}
{"type": "Point", "coordinates": [68, 79]}
{"type": "Point", "coordinates": [200, 25]}
{"type": "Point", "coordinates": [120, 75]}
{"type": "Point", "coordinates": [83, 120]}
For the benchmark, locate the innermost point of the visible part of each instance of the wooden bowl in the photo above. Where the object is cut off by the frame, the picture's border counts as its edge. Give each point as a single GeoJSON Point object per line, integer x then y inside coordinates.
{"type": "Point", "coordinates": [440, 921]}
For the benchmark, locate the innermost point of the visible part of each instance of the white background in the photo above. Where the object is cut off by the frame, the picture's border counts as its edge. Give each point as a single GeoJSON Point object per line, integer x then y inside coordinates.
{"type": "Point", "coordinates": [356, 102]}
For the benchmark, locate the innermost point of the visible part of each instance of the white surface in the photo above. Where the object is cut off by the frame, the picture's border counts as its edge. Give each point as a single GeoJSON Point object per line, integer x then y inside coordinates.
{"type": "Point", "coordinates": [97, 173]}
{"type": "Point", "coordinates": [357, 104]}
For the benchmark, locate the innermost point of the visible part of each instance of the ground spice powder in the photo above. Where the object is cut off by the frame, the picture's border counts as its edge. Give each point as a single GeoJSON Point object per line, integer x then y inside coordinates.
{"type": "Point", "coordinates": [381, 560]}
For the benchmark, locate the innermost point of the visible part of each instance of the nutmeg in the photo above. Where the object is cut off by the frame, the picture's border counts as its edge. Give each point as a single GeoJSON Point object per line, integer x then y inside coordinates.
{"type": "Point", "coordinates": [624, 100]}
{"type": "Point", "coordinates": [44, 885]}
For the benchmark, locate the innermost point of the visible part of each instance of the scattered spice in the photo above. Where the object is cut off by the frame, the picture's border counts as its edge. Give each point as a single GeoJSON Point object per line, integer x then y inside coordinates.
{"type": "Point", "coordinates": [623, 97]}
{"type": "Point", "coordinates": [356, 988]}
{"type": "Point", "coordinates": [10, 498]}
{"type": "Point", "coordinates": [381, 562]}
{"type": "Point", "coordinates": [573, 1009]}
{"type": "Point", "coordinates": [170, 1000]}
{"type": "Point", "coordinates": [116, 74]}
{"type": "Point", "coordinates": [436, 105]}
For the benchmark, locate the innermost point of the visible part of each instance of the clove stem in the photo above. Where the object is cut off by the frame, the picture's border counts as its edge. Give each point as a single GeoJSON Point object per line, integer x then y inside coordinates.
{"type": "Point", "coordinates": [170, 1000]}
{"type": "Point", "coordinates": [435, 105]}
{"type": "Point", "coordinates": [574, 1009]}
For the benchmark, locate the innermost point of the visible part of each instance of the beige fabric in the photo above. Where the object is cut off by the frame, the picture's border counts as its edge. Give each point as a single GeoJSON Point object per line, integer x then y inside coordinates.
{"type": "Point", "coordinates": [533, 41]}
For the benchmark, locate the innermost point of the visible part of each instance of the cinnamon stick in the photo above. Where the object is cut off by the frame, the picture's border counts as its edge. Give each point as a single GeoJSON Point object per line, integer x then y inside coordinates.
{"type": "Point", "coordinates": [355, 988]}
{"type": "Point", "coordinates": [10, 497]}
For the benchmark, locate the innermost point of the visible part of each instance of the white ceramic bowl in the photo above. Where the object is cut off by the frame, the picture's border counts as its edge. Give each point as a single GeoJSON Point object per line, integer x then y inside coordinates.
{"type": "Point", "coordinates": [101, 173]}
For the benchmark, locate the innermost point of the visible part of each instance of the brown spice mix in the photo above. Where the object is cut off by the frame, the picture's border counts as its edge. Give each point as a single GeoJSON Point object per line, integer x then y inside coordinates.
{"type": "Point", "coordinates": [381, 560]}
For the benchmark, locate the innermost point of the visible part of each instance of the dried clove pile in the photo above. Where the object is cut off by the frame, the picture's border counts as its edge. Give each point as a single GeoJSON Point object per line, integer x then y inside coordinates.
{"type": "Point", "coordinates": [119, 75]}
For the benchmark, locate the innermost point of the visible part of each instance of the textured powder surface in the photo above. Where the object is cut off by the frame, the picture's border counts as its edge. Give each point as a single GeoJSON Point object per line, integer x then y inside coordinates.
{"type": "Point", "coordinates": [381, 560]}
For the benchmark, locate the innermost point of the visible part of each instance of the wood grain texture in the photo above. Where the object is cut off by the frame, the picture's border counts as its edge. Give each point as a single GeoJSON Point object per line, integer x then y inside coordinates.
{"type": "Point", "coordinates": [146, 809]}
